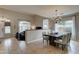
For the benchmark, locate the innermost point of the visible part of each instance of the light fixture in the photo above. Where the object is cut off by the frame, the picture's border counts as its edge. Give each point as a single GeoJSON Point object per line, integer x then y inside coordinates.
{"type": "Point", "coordinates": [33, 27]}
{"type": "Point", "coordinates": [4, 19]}
{"type": "Point", "coordinates": [58, 16]}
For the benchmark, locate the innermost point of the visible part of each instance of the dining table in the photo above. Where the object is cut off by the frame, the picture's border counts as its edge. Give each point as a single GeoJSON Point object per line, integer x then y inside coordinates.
{"type": "Point", "coordinates": [55, 36]}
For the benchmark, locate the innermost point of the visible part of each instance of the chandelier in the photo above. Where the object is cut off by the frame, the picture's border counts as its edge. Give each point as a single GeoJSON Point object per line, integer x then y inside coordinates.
{"type": "Point", "coordinates": [58, 16]}
{"type": "Point", "coordinates": [4, 19]}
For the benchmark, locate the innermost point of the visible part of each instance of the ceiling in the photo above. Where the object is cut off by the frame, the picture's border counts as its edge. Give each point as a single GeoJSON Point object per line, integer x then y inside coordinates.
{"type": "Point", "coordinates": [43, 10]}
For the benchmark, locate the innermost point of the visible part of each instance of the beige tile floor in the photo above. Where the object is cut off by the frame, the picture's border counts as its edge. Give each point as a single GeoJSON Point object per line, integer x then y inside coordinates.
{"type": "Point", "coordinates": [12, 46]}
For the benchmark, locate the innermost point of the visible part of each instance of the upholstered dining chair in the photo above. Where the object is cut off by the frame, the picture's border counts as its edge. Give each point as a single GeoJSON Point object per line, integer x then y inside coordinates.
{"type": "Point", "coordinates": [64, 41]}
{"type": "Point", "coordinates": [45, 38]}
{"type": "Point", "coordinates": [69, 36]}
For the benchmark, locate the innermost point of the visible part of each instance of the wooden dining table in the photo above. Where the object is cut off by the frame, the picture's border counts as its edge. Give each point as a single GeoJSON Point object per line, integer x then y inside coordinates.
{"type": "Point", "coordinates": [55, 36]}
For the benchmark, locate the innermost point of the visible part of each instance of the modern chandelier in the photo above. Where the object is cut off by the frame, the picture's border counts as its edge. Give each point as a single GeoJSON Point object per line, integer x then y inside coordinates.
{"type": "Point", "coordinates": [4, 19]}
{"type": "Point", "coordinates": [58, 16]}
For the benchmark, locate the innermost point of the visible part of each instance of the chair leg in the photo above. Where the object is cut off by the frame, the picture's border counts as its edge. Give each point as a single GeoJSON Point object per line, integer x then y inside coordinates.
{"type": "Point", "coordinates": [47, 42]}
{"type": "Point", "coordinates": [56, 44]}
{"type": "Point", "coordinates": [62, 47]}
{"type": "Point", "coordinates": [43, 41]}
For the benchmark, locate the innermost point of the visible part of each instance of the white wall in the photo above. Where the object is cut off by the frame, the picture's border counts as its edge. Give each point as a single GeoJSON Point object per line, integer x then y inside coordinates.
{"type": "Point", "coordinates": [37, 21]}
{"type": "Point", "coordinates": [15, 17]}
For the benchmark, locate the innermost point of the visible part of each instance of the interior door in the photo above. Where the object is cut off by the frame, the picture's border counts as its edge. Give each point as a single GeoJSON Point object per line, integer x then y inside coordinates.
{"type": "Point", "coordinates": [1, 29]}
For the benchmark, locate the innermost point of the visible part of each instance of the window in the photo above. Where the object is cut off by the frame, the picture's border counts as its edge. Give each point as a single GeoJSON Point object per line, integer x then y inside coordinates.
{"type": "Point", "coordinates": [24, 25]}
{"type": "Point", "coordinates": [59, 27]}
{"type": "Point", "coordinates": [7, 29]}
{"type": "Point", "coordinates": [64, 26]}
{"type": "Point", "coordinates": [45, 24]}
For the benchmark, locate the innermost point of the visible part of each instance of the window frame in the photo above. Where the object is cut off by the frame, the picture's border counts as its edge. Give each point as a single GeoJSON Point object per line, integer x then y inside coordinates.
{"type": "Point", "coordinates": [46, 24]}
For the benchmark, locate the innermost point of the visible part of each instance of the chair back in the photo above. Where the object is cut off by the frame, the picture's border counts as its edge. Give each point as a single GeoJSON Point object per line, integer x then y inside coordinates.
{"type": "Point", "coordinates": [69, 37]}
{"type": "Point", "coordinates": [43, 33]}
{"type": "Point", "coordinates": [66, 38]}
{"type": "Point", "coordinates": [46, 37]}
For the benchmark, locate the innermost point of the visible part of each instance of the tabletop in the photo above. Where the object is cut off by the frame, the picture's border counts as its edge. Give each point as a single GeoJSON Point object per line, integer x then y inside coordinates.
{"type": "Point", "coordinates": [57, 34]}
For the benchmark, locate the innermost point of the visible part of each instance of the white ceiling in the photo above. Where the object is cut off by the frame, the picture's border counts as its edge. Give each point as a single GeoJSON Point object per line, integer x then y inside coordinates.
{"type": "Point", "coordinates": [43, 10]}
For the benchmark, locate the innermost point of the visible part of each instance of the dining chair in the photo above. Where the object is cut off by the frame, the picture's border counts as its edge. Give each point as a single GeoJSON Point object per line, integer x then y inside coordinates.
{"type": "Point", "coordinates": [45, 38]}
{"type": "Point", "coordinates": [65, 41]}
{"type": "Point", "coordinates": [69, 38]}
